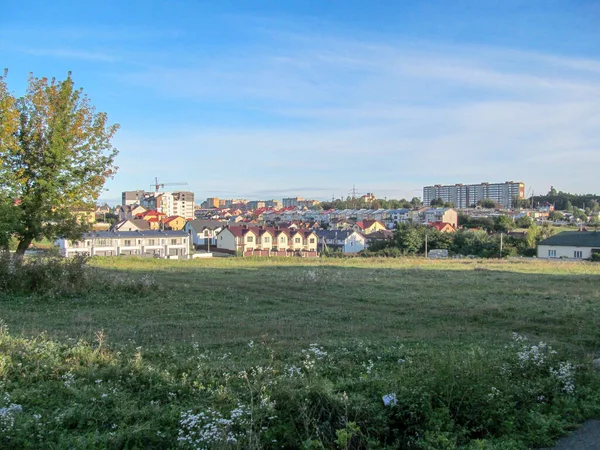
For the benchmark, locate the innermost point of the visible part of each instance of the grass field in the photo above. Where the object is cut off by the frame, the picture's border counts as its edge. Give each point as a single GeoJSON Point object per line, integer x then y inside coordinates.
{"type": "Point", "coordinates": [246, 313]}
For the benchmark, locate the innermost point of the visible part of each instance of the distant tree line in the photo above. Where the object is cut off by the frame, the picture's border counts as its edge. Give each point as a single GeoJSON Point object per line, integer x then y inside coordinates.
{"type": "Point", "coordinates": [483, 241]}
{"type": "Point", "coordinates": [359, 203]}
{"type": "Point", "coordinates": [565, 201]}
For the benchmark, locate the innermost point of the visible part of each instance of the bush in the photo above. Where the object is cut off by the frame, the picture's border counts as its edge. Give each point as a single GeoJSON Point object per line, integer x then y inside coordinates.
{"type": "Point", "coordinates": [54, 276]}
{"type": "Point", "coordinates": [82, 395]}
{"type": "Point", "coordinates": [596, 257]}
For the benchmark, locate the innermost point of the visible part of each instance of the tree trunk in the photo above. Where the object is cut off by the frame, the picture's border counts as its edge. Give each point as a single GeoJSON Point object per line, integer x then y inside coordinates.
{"type": "Point", "coordinates": [24, 244]}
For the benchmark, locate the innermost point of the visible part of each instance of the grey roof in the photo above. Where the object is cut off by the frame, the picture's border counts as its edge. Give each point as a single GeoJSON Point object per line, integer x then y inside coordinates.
{"type": "Point", "coordinates": [141, 224]}
{"type": "Point", "coordinates": [133, 234]}
{"type": "Point", "coordinates": [334, 234]}
{"type": "Point", "coordinates": [200, 224]}
{"type": "Point", "coordinates": [574, 239]}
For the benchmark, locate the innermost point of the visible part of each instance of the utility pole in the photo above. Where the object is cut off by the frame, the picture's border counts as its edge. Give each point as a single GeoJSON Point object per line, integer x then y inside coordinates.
{"type": "Point", "coordinates": [426, 236]}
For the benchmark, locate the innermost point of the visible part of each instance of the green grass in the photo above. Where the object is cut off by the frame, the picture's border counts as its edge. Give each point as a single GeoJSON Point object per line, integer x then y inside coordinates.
{"type": "Point", "coordinates": [459, 315]}
{"type": "Point", "coordinates": [227, 302]}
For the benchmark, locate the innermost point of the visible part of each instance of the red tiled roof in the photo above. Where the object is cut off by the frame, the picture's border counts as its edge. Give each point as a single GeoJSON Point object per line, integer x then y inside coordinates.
{"type": "Point", "coordinates": [441, 225]}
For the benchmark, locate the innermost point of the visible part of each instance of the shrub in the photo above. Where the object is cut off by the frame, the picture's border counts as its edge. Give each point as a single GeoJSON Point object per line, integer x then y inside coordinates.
{"type": "Point", "coordinates": [54, 276]}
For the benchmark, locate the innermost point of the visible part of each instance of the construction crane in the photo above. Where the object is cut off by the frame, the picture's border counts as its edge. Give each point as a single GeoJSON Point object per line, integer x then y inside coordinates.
{"type": "Point", "coordinates": [156, 185]}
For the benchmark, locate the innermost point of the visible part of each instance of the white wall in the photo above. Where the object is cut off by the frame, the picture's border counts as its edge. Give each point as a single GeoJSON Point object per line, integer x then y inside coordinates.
{"type": "Point", "coordinates": [355, 243]}
{"type": "Point", "coordinates": [564, 251]}
{"type": "Point", "coordinates": [226, 240]}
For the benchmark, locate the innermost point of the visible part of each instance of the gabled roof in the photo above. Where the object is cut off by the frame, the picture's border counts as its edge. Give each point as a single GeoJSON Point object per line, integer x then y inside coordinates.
{"type": "Point", "coordinates": [200, 224]}
{"type": "Point", "coordinates": [169, 219]}
{"type": "Point", "coordinates": [441, 225]}
{"type": "Point", "coordinates": [574, 239]}
{"type": "Point", "coordinates": [380, 235]}
{"type": "Point", "coordinates": [363, 225]}
{"type": "Point", "coordinates": [240, 231]}
{"type": "Point", "coordinates": [334, 234]}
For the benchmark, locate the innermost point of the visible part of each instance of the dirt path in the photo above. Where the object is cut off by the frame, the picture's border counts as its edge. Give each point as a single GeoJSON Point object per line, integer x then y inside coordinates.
{"type": "Point", "coordinates": [585, 438]}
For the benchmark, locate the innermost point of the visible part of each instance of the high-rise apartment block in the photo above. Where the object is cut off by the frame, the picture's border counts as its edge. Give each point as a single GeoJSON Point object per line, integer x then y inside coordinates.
{"type": "Point", "coordinates": [171, 204]}
{"type": "Point", "coordinates": [132, 197]}
{"type": "Point", "coordinates": [467, 195]}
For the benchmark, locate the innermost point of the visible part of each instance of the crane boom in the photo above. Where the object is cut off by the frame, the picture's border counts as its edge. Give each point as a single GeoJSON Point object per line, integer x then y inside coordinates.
{"type": "Point", "coordinates": [156, 185]}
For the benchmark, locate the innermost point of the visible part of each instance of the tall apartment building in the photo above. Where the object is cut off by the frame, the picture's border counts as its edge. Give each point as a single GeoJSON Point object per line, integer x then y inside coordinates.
{"type": "Point", "coordinates": [212, 202]}
{"type": "Point", "coordinates": [131, 197]}
{"type": "Point", "coordinates": [171, 204]}
{"type": "Point", "coordinates": [299, 202]}
{"type": "Point", "coordinates": [292, 201]}
{"type": "Point", "coordinates": [467, 195]}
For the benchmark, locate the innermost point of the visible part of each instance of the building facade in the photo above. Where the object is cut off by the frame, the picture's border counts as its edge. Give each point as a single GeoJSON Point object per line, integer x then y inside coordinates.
{"type": "Point", "coordinates": [172, 204]}
{"type": "Point", "coordinates": [160, 244]}
{"type": "Point", "coordinates": [467, 195]}
{"type": "Point", "coordinates": [131, 197]}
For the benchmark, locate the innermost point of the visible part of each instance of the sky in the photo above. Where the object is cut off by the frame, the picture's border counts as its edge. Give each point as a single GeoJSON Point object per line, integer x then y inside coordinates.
{"type": "Point", "coordinates": [270, 99]}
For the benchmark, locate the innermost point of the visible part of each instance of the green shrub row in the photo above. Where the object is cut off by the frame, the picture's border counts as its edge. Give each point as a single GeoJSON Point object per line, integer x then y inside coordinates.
{"type": "Point", "coordinates": [85, 395]}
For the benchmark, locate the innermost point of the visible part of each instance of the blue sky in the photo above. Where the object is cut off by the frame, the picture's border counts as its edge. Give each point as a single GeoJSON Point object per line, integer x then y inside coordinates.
{"type": "Point", "coordinates": [267, 99]}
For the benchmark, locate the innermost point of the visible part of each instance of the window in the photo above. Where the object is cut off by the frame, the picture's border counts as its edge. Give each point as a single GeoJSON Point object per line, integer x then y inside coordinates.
{"type": "Point", "coordinates": [249, 238]}
{"type": "Point", "coordinates": [578, 254]}
{"type": "Point", "coordinates": [312, 240]}
{"type": "Point", "coordinates": [151, 242]}
{"type": "Point", "coordinates": [297, 240]}
{"type": "Point", "coordinates": [267, 239]}
{"type": "Point", "coordinates": [551, 253]}
{"type": "Point", "coordinates": [174, 242]}
{"type": "Point", "coordinates": [127, 243]}
{"type": "Point", "coordinates": [281, 239]}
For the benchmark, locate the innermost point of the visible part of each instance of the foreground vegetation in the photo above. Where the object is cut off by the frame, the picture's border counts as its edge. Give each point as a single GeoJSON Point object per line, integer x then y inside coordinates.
{"type": "Point", "coordinates": [234, 353]}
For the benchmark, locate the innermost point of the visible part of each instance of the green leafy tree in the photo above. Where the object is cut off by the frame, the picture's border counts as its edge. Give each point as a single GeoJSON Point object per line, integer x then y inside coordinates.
{"type": "Point", "coordinates": [55, 161]}
{"type": "Point", "coordinates": [580, 214]}
{"type": "Point", "coordinates": [524, 222]}
{"type": "Point", "coordinates": [503, 224]}
{"type": "Point", "coordinates": [556, 215]}
{"type": "Point", "coordinates": [436, 202]}
{"type": "Point", "coordinates": [416, 202]}
{"type": "Point", "coordinates": [486, 203]}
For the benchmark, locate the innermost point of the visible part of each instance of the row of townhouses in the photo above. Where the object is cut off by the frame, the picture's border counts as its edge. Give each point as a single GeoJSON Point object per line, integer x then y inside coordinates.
{"type": "Point", "coordinates": [160, 244]}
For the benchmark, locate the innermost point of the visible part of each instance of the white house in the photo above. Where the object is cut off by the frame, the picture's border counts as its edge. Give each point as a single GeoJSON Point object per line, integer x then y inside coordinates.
{"type": "Point", "coordinates": [203, 232]}
{"type": "Point", "coordinates": [162, 244]}
{"type": "Point", "coordinates": [570, 245]}
{"type": "Point", "coordinates": [348, 241]}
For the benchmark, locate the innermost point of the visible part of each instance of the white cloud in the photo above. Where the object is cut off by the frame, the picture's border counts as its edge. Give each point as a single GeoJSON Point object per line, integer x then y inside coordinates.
{"type": "Point", "coordinates": [335, 112]}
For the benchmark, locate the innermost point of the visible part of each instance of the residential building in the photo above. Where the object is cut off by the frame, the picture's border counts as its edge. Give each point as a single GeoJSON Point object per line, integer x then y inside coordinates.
{"type": "Point", "coordinates": [347, 241]}
{"type": "Point", "coordinates": [153, 217]}
{"type": "Point", "coordinates": [130, 211]}
{"type": "Point", "coordinates": [255, 204]}
{"type": "Point", "coordinates": [275, 204]}
{"type": "Point", "coordinates": [379, 236]}
{"type": "Point", "coordinates": [467, 195]}
{"type": "Point", "coordinates": [183, 204]}
{"type": "Point", "coordinates": [267, 241]}
{"type": "Point", "coordinates": [132, 197]}
{"type": "Point", "coordinates": [396, 216]}
{"type": "Point", "coordinates": [444, 227]}
{"type": "Point", "coordinates": [171, 204]}
{"type": "Point", "coordinates": [162, 244]}
{"type": "Point", "coordinates": [204, 232]}
{"type": "Point", "coordinates": [173, 223]}
{"type": "Point", "coordinates": [131, 225]}
{"type": "Point", "coordinates": [292, 201]}
{"type": "Point", "coordinates": [212, 202]}
{"type": "Point", "coordinates": [570, 245]}
{"type": "Point", "coordinates": [369, 226]}
{"type": "Point", "coordinates": [447, 215]}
